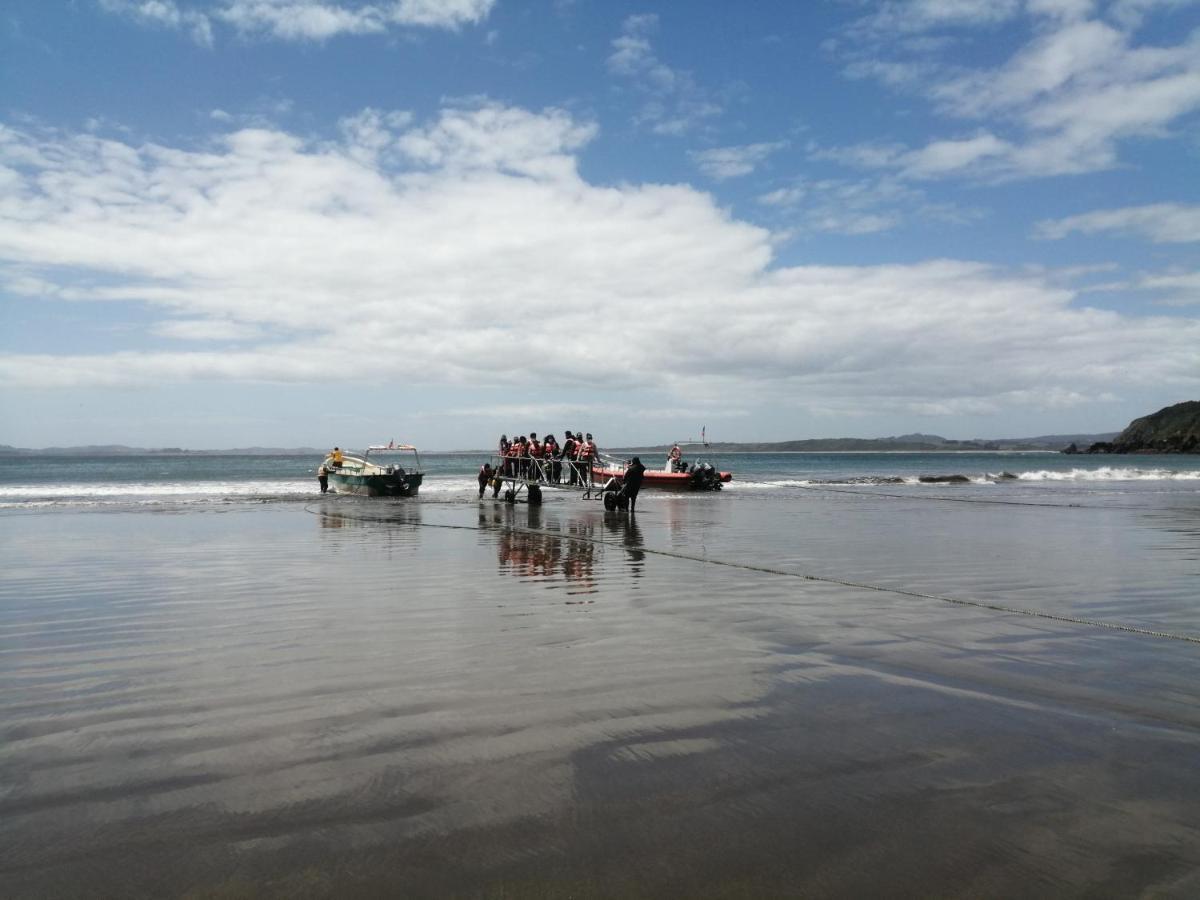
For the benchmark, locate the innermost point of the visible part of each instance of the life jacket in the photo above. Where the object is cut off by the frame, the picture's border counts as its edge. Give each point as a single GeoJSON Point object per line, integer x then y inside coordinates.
{"type": "Point", "coordinates": [586, 449]}
{"type": "Point", "coordinates": [535, 449]}
{"type": "Point", "coordinates": [675, 453]}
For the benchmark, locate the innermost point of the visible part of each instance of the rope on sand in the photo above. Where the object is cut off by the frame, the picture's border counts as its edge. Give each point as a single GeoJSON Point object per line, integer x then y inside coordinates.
{"type": "Point", "coordinates": [824, 579]}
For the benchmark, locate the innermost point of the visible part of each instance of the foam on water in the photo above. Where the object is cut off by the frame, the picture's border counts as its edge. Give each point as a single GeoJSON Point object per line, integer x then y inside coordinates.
{"type": "Point", "coordinates": [151, 493]}
{"type": "Point", "coordinates": [1111, 473]}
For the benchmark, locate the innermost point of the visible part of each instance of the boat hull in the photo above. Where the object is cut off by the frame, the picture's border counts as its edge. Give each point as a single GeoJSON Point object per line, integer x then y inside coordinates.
{"type": "Point", "coordinates": [382, 485]}
{"type": "Point", "coordinates": [666, 481]}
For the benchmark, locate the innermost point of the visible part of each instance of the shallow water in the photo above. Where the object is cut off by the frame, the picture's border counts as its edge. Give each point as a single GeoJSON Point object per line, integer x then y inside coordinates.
{"type": "Point", "coordinates": [753, 693]}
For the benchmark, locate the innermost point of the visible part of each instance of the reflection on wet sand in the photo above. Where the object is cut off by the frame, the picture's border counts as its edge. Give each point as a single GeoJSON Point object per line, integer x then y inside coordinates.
{"type": "Point", "coordinates": [248, 705]}
{"type": "Point", "coordinates": [533, 546]}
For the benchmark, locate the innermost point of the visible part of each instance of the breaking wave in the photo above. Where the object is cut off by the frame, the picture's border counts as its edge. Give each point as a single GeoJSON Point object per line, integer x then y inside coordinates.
{"type": "Point", "coordinates": [159, 493]}
{"type": "Point", "coordinates": [1106, 473]}
{"type": "Point", "coordinates": [1112, 473]}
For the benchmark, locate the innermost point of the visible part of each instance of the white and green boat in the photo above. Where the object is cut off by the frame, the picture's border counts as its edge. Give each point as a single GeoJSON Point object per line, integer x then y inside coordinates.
{"type": "Point", "coordinates": [378, 476]}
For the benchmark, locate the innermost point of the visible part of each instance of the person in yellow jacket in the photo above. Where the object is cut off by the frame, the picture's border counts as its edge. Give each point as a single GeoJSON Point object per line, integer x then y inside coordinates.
{"type": "Point", "coordinates": [335, 458]}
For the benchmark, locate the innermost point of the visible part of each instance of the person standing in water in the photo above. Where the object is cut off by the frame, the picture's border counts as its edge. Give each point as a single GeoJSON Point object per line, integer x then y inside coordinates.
{"type": "Point", "coordinates": [323, 478]}
{"type": "Point", "coordinates": [486, 474]}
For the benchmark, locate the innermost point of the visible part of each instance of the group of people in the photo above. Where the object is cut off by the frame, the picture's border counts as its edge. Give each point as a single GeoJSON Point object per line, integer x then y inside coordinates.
{"type": "Point", "coordinates": [546, 460]}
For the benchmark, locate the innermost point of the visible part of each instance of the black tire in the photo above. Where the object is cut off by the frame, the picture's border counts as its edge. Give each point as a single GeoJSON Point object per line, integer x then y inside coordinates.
{"type": "Point", "coordinates": [610, 500]}
{"type": "Point", "coordinates": [510, 496]}
{"type": "Point", "coordinates": [622, 501]}
{"type": "Point", "coordinates": [535, 495]}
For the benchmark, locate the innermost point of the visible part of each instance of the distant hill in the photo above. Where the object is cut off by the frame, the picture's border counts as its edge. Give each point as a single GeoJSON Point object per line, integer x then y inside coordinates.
{"type": "Point", "coordinates": [916, 443]}
{"type": "Point", "coordinates": [1173, 429]}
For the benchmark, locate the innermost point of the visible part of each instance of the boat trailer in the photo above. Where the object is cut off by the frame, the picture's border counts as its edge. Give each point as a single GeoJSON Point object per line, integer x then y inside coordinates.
{"type": "Point", "coordinates": [514, 476]}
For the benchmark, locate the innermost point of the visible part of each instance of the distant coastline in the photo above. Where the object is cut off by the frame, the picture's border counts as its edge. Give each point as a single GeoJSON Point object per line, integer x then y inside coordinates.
{"type": "Point", "coordinates": [909, 443]}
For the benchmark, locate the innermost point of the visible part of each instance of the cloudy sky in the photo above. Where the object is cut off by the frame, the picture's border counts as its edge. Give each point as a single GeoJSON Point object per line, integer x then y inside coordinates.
{"type": "Point", "coordinates": [308, 222]}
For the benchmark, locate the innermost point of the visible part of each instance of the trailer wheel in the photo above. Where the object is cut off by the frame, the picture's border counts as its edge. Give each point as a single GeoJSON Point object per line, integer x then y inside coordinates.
{"type": "Point", "coordinates": [622, 501]}
{"type": "Point", "coordinates": [610, 500]}
{"type": "Point", "coordinates": [510, 496]}
{"type": "Point", "coordinates": [535, 495]}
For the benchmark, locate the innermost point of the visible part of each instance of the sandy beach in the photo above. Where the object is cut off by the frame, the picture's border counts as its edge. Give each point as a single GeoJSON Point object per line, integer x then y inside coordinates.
{"type": "Point", "coordinates": [722, 697]}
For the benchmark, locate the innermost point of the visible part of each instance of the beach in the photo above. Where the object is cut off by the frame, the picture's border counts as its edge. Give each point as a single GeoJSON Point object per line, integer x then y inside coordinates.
{"type": "Point", "coordinates": [827, 680]}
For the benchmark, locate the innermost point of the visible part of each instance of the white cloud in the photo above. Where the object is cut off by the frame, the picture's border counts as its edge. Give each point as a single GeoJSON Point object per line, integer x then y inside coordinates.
{"type": "Point", "coordinates": [1163, 223]}
{"type": "Point", "coordinates": [908, 16]}
{"type": "Point", "coordinates": [1131, 13]}
{"type": "Point", "coordinates": [1061, 104]}
{"type": "Point", "coordinates": [206, 330]}
{"type": "Point", "coordinates": [1183, 287]}
{"type": "Point", "coordinates": [720, 163]}
{"type": "Point", "coordinates": [856, 207]}
{"type": "Point", "coordinates": [674, 103]}
{"type": "Point", "coordinates": [942, 157]}
{"type": "Point", "coordinates": [301, 20]}
{"type": "Point", "coordinates": [447, 250]}
{"type": "Point", "coordinates": [163, 14]}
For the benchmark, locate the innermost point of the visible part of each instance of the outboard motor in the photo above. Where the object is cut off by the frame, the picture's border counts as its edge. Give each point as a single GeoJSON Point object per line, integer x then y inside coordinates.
{"type": "Point", "coordinates": [705, 478]}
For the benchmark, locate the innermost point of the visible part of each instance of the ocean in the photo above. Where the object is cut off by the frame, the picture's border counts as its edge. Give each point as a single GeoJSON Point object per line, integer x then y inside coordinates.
{"type": "Point", "coordinates": [828, 679]}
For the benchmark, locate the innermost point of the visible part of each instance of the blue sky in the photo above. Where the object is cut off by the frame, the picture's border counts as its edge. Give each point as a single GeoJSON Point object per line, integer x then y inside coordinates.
{"type": "Point", "coordinates": [308, 222]}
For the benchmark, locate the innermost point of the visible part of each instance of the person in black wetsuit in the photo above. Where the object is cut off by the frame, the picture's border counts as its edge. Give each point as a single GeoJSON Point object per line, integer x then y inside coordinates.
{"type": "Point", "coordinates": [485, 476]}
{"type": "Point", "coordinates": [631, 481]}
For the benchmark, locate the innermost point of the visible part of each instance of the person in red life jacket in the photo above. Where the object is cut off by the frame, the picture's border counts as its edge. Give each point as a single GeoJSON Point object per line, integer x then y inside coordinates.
{"type": "Point", "coordinates": [674, 458]}
{"type": "Point", "coordinates": [586, 455]}
{"type": "Point", "coordinates": [550, 450]}
{"type": "Point", "coordinates": [486, 473]}
{"type": "Point", "coordinates": [512, 458]}
{"type": "Point", "coordinates": [523, 456]}
{"type": "Point", "coordinates": [631, 481]}
{"type": "Point", "coordinates": [535, 457]}
{"type": "Point", "coordinates": [568, 453]}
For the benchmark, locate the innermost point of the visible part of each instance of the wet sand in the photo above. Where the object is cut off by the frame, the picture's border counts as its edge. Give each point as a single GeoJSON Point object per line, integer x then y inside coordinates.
{"type": "Point", "coordinates": [448, 699]}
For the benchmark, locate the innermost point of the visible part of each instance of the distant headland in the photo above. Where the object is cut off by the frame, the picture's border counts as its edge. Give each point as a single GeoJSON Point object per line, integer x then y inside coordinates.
{"type": "Point", "coordinates": [1173, 429]}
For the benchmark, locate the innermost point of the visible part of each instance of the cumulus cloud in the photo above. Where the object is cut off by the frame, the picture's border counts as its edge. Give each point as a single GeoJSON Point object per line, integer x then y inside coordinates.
{"type": "Point", "coordinates": [303, 20]}
{"type": "Point", "coordinates": [1162, 223]}
{"type": "Point", "coordinates": [1061, 104]}
{"type": "Point", "coordinates": [446, 249]}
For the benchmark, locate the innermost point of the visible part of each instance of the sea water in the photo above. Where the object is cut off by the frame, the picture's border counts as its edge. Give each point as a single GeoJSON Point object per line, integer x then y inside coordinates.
{"type": "Point", "coordinates": [173, 478]}
{"type": "Point", "coordinates": [828, 679]}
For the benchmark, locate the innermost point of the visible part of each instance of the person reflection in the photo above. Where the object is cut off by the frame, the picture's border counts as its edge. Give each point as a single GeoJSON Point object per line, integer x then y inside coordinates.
{"type": "Point", "coordinates": [625, 529]}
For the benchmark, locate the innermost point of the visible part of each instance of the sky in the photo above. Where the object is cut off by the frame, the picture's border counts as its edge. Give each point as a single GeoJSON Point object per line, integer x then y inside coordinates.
{"type": "Point", "coordinates": [314, 222]}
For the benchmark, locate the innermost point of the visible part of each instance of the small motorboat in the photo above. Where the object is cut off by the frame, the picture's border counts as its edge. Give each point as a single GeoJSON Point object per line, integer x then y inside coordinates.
{"type": "Point", "coordinates": [374, 477]}
{"type": "Point", "coordinates": [700, 476]}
